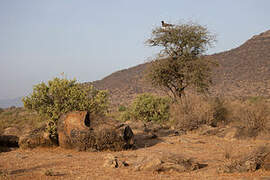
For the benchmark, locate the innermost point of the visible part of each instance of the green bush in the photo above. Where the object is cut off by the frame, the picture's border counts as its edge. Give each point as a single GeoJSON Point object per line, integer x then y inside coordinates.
{"type": "Point", "coordinates": [1, 110]}
{"type": "Point", "coordinates": [148, 108]}
{"type": "Point", "coordinates": [122, 108]}
{"type": "Point", "coordinates": [60, 96]}
{"type": "Point", "coordinates": [125, 116]}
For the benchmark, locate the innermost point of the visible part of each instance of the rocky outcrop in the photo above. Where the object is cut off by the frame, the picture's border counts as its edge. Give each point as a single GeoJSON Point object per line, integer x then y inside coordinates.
{"type": "Point", "coordinates": [35, 138]}
{"type": "Point", "coordinates": [9, 141]}
{"type": "Point", "coordinates": [155, 162]}
{"type": "Point", "coordinates": [76, 130]}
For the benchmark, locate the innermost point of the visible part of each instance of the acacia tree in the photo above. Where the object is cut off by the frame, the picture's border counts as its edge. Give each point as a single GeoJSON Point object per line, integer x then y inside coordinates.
{"type": "Point", "coordinates": [181, 62]}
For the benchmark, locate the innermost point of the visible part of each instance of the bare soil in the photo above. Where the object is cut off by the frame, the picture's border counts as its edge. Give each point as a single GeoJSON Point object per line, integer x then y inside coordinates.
{"type": "Point", "coordinates": [58, 163]}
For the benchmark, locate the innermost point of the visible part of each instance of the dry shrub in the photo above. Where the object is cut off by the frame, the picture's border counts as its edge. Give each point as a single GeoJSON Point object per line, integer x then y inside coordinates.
{"type": "Point", "coordinates": [197, 110]}
{"type": "Point", "coordinates": [253, 118]}
{"type": "Point", "coordinates": [219, 111]}
{"type": "Point", "coordinates": [249, 162]}
{"type": "Point", "coordinates": [228, 152]}
{"type": "Point", "coordinates": [190, 114]}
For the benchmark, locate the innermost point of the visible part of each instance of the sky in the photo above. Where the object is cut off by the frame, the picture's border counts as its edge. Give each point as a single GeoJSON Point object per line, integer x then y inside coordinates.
{"type": "Point", "coordinates": [90, 39]}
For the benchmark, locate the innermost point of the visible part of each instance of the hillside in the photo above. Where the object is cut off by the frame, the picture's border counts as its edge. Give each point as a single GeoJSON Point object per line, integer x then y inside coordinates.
{"type": "Point", "coordinates": [243, 71]}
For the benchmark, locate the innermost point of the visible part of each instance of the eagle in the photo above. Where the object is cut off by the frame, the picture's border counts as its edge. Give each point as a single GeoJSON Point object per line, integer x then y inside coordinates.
{"type": "Point", "coordinates": [166, 24]}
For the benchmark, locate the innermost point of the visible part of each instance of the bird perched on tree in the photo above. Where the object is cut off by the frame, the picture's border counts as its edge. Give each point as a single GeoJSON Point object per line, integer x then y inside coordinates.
{"type": "Point", "coordinates": [165, 24]}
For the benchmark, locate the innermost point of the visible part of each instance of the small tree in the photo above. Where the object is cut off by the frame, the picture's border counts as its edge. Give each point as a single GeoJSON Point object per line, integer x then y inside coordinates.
{"type": "Point", "coordinates": [181, 63]}
{"type": "Point", "coordinates": [60, 96]}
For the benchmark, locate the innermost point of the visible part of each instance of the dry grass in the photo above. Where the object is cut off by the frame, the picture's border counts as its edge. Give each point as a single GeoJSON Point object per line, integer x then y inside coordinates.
{"type": "Point", "coordinates": [20, 118]}
{"type": "Point", "coordinates": [197, 110]}
{"type": "Point", "coordinates": [252, 116]}
{"type": "Point", "coordinates": [248, 162]}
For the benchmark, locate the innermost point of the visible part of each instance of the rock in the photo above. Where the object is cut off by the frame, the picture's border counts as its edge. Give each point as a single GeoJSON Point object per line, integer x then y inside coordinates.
{"type": "Point", "coordinates": [168, 162]}
{"type": "Point", "coordinates": [113, 162]}
{"type": "Point", "coordinates": [73, 128]}
{"type": "Point", "coordinates": [76, 130]}
{"type": "Point", "coordinates": [9, 141]}
{"type": "Point", "coordinates": [152, 164]}
{"type": "Point", "coordinates": [136, 124]}
{"type": "Point", "coordinates": [230, 133]}
{"type": "Point", "coordinates": [207, 130]}
{"type": "Point", "coordinates": [11, 131]}
{"type": "Point", "coordinates": [35, 138]}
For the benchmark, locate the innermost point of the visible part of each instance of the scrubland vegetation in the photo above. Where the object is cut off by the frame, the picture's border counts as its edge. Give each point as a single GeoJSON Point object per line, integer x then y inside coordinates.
{"type": "Point", "coordinates": [60, 96]}
{"type": "Point", "coordinates": [180, 65]}
{"type": "Point", "coordinates": [251, 115]}
{"type": "Point", "coordinates": [21, 119]}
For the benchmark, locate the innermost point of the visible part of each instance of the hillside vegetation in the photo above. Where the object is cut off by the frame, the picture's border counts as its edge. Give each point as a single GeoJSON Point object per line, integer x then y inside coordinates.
{"type": "Point", "coordinates": [243, 72]}
{"type": "Point", "coordinates": [222, 135]}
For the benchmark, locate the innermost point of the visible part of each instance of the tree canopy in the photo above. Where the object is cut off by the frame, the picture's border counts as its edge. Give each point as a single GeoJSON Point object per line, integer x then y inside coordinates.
{"type": "Point", "coordinates": [181, 62]}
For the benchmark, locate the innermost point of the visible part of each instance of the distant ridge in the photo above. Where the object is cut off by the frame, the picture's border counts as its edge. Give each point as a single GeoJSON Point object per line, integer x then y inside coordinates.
{"type": "Point", "coordinates": [5, 103]}
{"type": "Point", "coordinates": [243, 71]}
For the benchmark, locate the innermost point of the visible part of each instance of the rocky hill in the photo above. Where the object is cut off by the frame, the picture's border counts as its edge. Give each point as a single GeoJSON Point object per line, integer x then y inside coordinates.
{"type": "Point", "coordinates": [243, 72]}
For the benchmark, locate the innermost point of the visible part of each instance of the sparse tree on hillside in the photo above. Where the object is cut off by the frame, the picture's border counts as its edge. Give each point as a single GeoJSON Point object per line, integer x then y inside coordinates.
{"type": "Point", "coordinates": [180, 63]}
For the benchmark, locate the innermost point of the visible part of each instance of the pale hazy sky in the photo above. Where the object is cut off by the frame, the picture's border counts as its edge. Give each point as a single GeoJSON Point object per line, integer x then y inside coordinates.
{"type": "Point", "coordinates": [89, 39]}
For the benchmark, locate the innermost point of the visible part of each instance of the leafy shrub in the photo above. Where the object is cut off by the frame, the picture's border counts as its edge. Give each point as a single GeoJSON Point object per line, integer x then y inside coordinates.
{"type": "Point", "coordinates": [148, 107]}
{"type": "Point", "coordinates": [60, 96]}
{"type": "Point", "coordinates": [125, 116]}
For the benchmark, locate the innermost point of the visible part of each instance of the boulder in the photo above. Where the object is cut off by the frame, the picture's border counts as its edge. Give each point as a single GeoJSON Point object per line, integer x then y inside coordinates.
{"type": "Point", "coordinates": [11, 131]}
{"type": "Point", "coordinates": [77, 131]}
{"type": "Point", "coordinates": [151, 164]}
{"type": "Point", "coordinates": [9, 141]}
{"type": "Point", "coordinates": [168, 162]}
{"type": "Point", "coordinates": [35, 138]}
